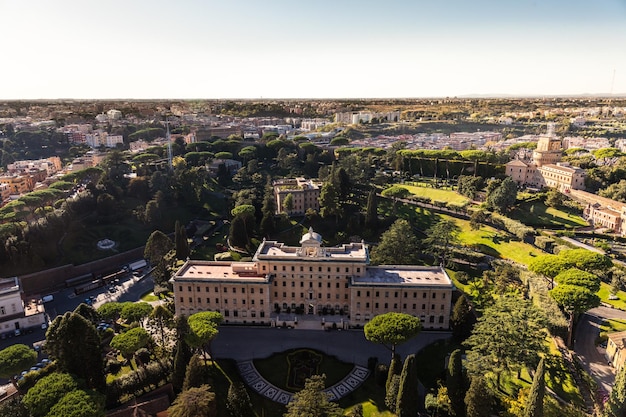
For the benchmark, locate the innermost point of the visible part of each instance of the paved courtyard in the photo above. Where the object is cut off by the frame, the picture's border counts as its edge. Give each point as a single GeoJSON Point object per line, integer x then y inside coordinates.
{"type": "Point", "coordinates": [247, 343]}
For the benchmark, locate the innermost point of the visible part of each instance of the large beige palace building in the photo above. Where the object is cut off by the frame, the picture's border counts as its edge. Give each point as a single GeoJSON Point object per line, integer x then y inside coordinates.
{"type": "Point", "coordinates": [545, 170]}
{"type": "Point", "coordinates": [312, 280]}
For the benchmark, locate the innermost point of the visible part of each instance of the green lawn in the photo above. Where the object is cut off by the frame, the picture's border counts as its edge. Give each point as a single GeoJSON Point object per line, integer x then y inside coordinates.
{"type": "Point", "coordinates": [533, 212]}
{"type": "Point", "coordinates": [604, 292]}
{"type": "Point", "coordinates": [495, 243]}
{"type": "Point", "coordinates": [613, 325]}
{"type": "Point", "coordinates": [436, 194]}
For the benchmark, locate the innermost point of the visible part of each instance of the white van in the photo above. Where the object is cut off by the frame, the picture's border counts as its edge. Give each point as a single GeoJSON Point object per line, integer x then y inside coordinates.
{"type": "Point", "coordinates": [47, 298]}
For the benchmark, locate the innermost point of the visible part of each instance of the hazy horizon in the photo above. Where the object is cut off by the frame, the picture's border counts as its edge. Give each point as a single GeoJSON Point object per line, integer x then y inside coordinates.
{"type": "Point", "coordinates": [276, 49]}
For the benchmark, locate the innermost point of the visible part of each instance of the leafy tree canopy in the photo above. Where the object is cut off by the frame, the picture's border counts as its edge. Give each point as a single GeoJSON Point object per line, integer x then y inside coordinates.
{"type": "Point", "coordinates": [47, 392]}
{"type": "Point", "coordinates": [16, 358]}
{"type": "Point", "coordinates": [398, 245]}
{"type": "Point", "coordinates": [392, 329]}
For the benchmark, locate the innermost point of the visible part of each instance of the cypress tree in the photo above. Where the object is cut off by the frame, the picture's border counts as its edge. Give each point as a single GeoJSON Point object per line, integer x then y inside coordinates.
{"type": "Point", "coordinates": [182, 354]}
{"type": "Point", "coordinates": [534, 405]}
{"type": "Point", "coordinates": [462, 319]}
{"type": "Point", "coordinates": [238, 401]}
{"type": "Point", "coordinates": [181, 244]}
{"type": "Point", "coordinates": [238, 232]}
{"type": "Point", "coordinates": [455, 383]}
{"type": "Point", "coordinates": [478, 400]}
{"type": "Point", "coordinates": [407, 404]}
{"type": "Point", "coordinates": [395, 367]}
{"type": "Point", "coordinates": [195, 375]}
{"type": "Point", "coordinates": [392, 392]}
{"type": "Point", "coordinates": [371, 216]}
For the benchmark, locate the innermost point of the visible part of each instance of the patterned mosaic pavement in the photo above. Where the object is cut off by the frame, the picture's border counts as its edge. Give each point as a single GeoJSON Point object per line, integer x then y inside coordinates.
{"type": "Point", "coordinates": [254, 380]}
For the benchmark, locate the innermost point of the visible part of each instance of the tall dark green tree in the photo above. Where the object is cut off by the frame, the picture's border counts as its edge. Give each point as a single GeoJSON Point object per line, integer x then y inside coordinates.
{"type": "Point", "coordinates": [238, 235]}
{"type": "Point", "coordinates": [479, 400]}
{"type": "Point", "coordinates": [75, 344]}
{"type": "Point", "coordinates": [182, 353]}
{"type": "Point", "coordinates": [329, 201]}
{"type": "Point", "coordinates": [157, 248]}
{"type": "Point", "coordinates": [407, 404]}
{"type": "Point", "coordinates": [371, 212]}
{"type": "Point", "coordinates": [398, 246]}
{"type": "Point", "coordinates": [196, 374]}
{"type": "Point", "coordinates": [180, 241]}
{"type": "Point", "coordinates": [455, 381]}
{"type": "Point", "coordinates": [510, 335]}
{"type": "Point", "coordinates": [534, 405]}
{"type": "Point", "coordinates": [462, 319]}
{"type": "Point", "coordinates": [441, 237]}
{"type": "Point", "coordinates": [87, 312]}
{"type": "Point", "coordinates": [268, 210]}
{"type": "Point", "coordinates": [395, 367]}
{"type": "Point", "coordinates": [238, 401]}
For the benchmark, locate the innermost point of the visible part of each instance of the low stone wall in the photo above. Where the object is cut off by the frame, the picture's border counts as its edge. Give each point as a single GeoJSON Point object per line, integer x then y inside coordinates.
{"type": "Point", "coordinates": [39, 283]}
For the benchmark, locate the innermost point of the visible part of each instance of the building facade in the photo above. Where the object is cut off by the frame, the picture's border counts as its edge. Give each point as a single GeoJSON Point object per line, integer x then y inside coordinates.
{"type": "Point", "coordinates": [545, 169]}
{"type": "Point", "coordinates": [305, 195]}
{"type": "Point", "coordinates": [14, 315]}
{"type": "Point", "coordinates": [616, 349]}
{"type": "Point", "coordinates": [310, 280]}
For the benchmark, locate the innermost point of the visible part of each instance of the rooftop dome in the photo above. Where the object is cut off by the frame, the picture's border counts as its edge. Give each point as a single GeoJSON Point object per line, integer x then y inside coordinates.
{"type": "Point", "coordinates": [311, 236]}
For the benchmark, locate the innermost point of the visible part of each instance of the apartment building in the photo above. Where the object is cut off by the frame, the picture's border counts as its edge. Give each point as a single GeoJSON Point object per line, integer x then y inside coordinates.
{"type": "Point", "coordinates": [18, 184]}
{"type": "Point", "coordinates": [5, 193]}
{"type": "Point", "coordinates": [14, 315]}
{"type": "Point", "coordinates": [101, 138]}
{"type": "Point", "coordinates": [309, 280]}
{"type": "Point", "coordinates": [50, 165]}
{"type": "Point", "coordinates": [305, 194]}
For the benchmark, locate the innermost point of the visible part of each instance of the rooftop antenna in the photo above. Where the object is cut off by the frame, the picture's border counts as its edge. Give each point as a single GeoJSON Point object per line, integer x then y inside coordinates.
{"type": "Point", "coordinates": [612, 85]}
{"type": "Point", "coordinates": [169, 144]}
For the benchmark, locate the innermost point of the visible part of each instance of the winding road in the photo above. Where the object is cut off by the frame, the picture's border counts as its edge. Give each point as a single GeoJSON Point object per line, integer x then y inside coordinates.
{"type": "Point", "coordinates": [593, 357]}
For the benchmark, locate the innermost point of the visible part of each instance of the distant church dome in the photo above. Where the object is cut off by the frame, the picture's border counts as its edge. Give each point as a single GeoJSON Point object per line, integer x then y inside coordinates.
{"type": "Point", "coordinates": [311, 237]}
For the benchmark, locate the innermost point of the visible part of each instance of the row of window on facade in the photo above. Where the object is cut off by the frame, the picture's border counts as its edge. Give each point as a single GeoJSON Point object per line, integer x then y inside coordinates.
{"type": "Point", "coordinates": [217, 300]}
{"type": "Point", "coordinates": [395, 306]}
{"type": "Point", "coordinates": [396, 294]}
{"type": "Point", "coordinates": [4, 312]}
{"type": "Point", "coordinates": [319, 269]}
{"type": "Point", "coordinates": [235, 313]}
{"type": "Point", "coordinates": [431, 319]}
{"type": "Point", "coordinates": [319, 284]}
{"type": "Point", "coordinates": [224, 289]}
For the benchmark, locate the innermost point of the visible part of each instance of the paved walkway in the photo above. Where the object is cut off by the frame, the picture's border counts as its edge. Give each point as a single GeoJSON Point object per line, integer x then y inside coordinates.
{"type": "Point", "coordinates": [352, 381]}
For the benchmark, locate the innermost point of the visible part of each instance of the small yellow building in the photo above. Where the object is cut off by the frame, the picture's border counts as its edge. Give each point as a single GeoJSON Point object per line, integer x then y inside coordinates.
{"type": "Point", "coordinates": [615, 349]}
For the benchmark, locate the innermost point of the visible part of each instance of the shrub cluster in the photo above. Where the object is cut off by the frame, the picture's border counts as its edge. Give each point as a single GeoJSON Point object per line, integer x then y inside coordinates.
{"type": "Point", "coordinates": [138, 382]}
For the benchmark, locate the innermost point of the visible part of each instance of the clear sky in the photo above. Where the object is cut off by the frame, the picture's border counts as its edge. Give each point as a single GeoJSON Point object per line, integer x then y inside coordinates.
{"type": "Point", "coordinates": [310, 48]}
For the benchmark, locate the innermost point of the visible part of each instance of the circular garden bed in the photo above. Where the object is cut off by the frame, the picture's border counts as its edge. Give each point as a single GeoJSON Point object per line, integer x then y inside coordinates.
{"type": "Point", "coordinates": [289, 370]}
